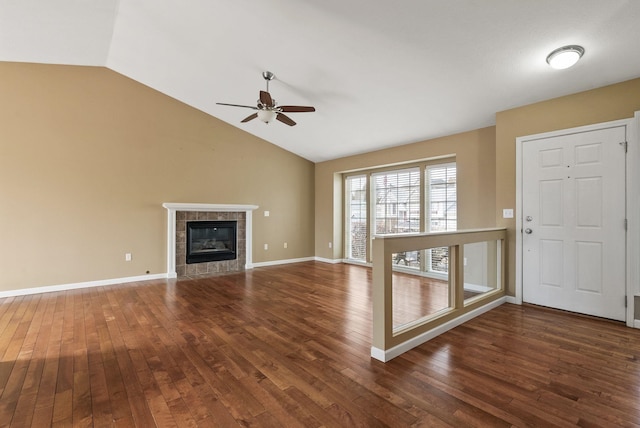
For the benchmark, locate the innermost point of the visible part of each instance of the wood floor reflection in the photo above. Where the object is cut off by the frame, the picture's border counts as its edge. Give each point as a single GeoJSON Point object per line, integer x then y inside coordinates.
{"type": "Point", "coordinates": [289, 346]}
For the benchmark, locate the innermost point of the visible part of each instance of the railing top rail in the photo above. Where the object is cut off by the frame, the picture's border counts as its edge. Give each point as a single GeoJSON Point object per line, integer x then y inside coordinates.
{"type": "Point", "coordinates": [417, 241]}
{"type": "Point", "coordinates": [452, 232]}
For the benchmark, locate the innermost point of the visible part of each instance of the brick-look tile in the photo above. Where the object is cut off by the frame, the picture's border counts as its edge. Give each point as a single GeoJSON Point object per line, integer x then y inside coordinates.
{"type": "Point", "coordinates": [209, 268]}
{"type": "Point", "coordinates": [192, 270]}
{"type": "Point", "coordinates": [181, 270]}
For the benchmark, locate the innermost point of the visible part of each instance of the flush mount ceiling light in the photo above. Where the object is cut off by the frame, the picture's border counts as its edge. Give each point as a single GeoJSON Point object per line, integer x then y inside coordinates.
{"type": "Point", "coordinates": [565, 56]}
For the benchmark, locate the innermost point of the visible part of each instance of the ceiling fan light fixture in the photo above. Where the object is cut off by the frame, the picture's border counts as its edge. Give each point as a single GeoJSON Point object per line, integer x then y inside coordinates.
{"type": "Point", "coordinates": [267, 115]}
{"type": "Point", "coordinates": [565, 56]}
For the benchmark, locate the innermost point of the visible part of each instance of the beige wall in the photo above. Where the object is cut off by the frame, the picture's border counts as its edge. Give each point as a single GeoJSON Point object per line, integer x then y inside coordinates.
{"type": "Point", "coordinates": [613, 102]}
{"type": "Point", "coordinates": [88, 156]}
{"type": "Point", "coordinates": [475, 158]}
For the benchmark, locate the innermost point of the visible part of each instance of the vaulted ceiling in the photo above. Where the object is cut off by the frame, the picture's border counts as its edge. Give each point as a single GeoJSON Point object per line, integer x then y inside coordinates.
{"type": "Point", "coordinates": [380, 73]}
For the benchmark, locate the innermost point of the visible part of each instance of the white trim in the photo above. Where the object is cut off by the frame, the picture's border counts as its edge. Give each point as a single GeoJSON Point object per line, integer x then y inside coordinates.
{"type": "Point", "coordinates": [171, 228]}
{"type": "Point", "coordinates": [75, 286]}
{"type": "Point", "coordinates": [208, 207]}
{"type": "Point", "coordinates": [397, 350]}
{"type": "Point", "coordinates": [378, 354]}
{"type": "Point", "coordinates": [477, 288]}
{"type": "Point", "coordinates": [512, 300]}
{"type": "Point", "coordinates": [633, 217]}
{"type": "Point", "coordinates": [518, 216]}
{"type": "Point", "coordinates": [330, 261]}
{"type": "Point", "coordinates": [357, 262]}
{"type": "Point", "coordinates": [633, 203]}
{"type": "Point", "coordinates": [283, 262]}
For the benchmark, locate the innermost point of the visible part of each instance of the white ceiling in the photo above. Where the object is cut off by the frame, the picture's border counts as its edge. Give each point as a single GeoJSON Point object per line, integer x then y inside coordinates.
{"type": "Point", "coordinates": [380, 73]}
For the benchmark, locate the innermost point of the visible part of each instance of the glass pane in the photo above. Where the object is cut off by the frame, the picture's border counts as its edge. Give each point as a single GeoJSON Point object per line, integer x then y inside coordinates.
{"type": "Point", "coordinates": [442, 205]}
{"type": "Point", "coordinates": [397, 201]}
{"type": "Point", "coordinates": [407, 258]}
{"type": "Point", "coordinates": [481, 274]}
{"type": "Point", "coordinates": [417, 297]}
{"type": "Point", "coordinates": [439, 260]}
{"type": "Point", "coordinates": [356, 206]}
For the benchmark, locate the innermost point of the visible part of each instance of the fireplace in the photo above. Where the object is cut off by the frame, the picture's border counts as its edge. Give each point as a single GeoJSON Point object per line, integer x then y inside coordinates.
{"type": "Point", "coordinates": [210, 241]}
{"type": "Point", "coordinates": [179, 214]}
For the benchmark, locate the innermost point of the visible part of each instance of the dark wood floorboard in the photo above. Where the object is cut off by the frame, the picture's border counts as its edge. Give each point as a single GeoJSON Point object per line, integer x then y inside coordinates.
{"type": "Point", "coordinates": [289, 346]}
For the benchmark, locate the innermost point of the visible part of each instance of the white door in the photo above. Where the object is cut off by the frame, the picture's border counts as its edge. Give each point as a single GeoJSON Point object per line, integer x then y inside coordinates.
{"type": "Point", "coordinates": [573, 221]}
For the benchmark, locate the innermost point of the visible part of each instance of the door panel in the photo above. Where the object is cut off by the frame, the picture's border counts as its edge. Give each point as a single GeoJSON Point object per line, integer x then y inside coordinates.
{"type": "Point", "coordinates": [573, 221]}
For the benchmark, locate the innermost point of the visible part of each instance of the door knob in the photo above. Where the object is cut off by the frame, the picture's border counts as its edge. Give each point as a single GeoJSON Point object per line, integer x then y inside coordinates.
{"type": "Point", "coordinates": [528, 231]}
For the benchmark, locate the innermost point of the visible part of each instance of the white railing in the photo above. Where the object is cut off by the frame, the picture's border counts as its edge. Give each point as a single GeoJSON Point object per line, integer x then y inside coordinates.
{"type": "Point", "coordinates": [479, 254]}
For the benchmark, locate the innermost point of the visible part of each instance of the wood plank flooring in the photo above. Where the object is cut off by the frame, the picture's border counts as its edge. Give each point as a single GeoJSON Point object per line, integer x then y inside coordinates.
{"type": "Point", "coordinates": [289, 346]}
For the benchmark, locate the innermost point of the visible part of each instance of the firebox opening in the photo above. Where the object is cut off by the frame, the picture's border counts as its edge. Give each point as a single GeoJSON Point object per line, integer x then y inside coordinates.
{"type": "Point", "coordinates": [210, 241]}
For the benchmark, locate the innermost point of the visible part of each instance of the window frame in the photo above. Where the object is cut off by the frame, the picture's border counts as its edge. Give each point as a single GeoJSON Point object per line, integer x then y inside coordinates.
{"type": "Point", "coordinates": [428, 268]}
{"type": "Point", "coordinates": [368, 173]}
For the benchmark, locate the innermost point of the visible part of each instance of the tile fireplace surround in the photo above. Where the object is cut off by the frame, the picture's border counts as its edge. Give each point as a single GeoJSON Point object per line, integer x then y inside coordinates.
{"type": "Point", "coordinates": [179, 214]}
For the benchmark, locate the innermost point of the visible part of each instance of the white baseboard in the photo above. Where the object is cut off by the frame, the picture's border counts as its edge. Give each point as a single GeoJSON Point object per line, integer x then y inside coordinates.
{"type": "Point", "coordinates": [74, 286]}
{"type": "Point", "coordinates": [331, 261]}
{"type": "Point", "coordinates": [636, 323]}
{"type": "Point", "coordinates": [512, 300]}
{"type": "Point", "coordinates": [171, 275]}
{"type": "Point", "coordinates": [353, 262]}
{"type": "Point", "coordinates": [477, 288]}
{"type": "Point", "coordinates": [282, 262]}
{"type": "Point", "coordinates": [397, 350]}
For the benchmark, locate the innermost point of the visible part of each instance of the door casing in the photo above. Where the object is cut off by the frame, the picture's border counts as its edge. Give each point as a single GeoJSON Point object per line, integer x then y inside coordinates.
{"type": "Point", "coordinates": [632, 208]}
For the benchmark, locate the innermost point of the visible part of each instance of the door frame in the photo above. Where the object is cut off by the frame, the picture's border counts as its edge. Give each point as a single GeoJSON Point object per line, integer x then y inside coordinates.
{"type": "Point", "coordinates": [632, 214]}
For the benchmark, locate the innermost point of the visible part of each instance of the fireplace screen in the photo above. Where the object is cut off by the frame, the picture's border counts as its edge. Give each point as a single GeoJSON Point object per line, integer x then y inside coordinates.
{"type": "Point", "coordinates": [209, 241]}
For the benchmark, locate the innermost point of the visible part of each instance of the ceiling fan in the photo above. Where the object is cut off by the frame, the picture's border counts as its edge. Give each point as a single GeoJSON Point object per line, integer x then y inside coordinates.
{"type": "Point", "coordinates": [268, 109]}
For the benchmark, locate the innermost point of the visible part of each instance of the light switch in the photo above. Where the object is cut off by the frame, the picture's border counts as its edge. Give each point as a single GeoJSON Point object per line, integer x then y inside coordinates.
{"type": "Point", "coordinates": [266, 213]}
{"type": "Point", "coordinates": [507, 213]}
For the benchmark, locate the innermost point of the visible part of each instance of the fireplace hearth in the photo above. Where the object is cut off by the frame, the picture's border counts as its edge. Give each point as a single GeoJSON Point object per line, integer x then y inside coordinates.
{"type": "Point", "coordinates": [210, 241]}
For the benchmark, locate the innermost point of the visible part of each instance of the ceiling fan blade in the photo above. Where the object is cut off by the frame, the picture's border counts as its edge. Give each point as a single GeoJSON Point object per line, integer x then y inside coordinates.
{"type": "Point", "coordinates": [296, 109]}
{"type": "Point", "coordinates": [248, 118]}
{"type": "Point", "coordinates": [285, 119]}
{"type": "Point", "coordinates": [238, 105]}
{"type": "Point", "coordinates": [266, 99]}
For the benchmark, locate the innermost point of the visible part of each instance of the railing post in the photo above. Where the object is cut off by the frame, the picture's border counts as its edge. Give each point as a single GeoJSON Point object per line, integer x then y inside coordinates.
{"type": "Point", "coordinates": [456, 276]}
{"type": "Point", "coordinates": [382, 299]}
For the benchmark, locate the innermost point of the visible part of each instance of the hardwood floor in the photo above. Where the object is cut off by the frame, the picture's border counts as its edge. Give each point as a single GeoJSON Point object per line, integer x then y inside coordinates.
{"type": "Point", "coordinates": [289, 346]}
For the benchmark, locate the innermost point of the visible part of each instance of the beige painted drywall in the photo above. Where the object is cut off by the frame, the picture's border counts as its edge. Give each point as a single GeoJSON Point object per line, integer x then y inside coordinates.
{"type": "Point", "coordinates": [608, 103]}
{"type": "Point", "coordinates": [475, 158]}
{"type": "Point", "coordinates": [87, 157]}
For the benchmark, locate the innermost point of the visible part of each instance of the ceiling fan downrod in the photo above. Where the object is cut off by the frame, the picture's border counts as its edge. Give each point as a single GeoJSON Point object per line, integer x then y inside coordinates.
{"type": "Point", "coordinates": [268, 76]}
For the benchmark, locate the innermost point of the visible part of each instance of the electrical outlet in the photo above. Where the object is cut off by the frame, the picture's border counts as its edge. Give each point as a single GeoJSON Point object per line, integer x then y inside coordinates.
{"type": "Point", "coordinates": [127, 257]}
{"type": "Point", "coordinates": [330, 245]}
{"type": "Point", "coordinates": [285, 245]}
{"type": "Point", "coordinates": [266, 246]}
{"type": "Point", "coordinates": [266, 213]}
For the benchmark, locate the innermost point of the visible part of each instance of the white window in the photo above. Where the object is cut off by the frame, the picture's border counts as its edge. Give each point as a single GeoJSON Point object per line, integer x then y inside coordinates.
{"type": "Point", "coordinates": [442, 207]}
{"type": "Point", "coordinates": [413, 199]}
{"type": "Point", "coordinates": [356, 221]}
{"type": "Point", "coordinates": [397, 201]}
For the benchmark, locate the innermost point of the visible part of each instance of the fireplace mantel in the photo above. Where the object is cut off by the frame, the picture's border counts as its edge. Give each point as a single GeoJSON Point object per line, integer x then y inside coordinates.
{"type": "Point", "coordinates": [172, 208]}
